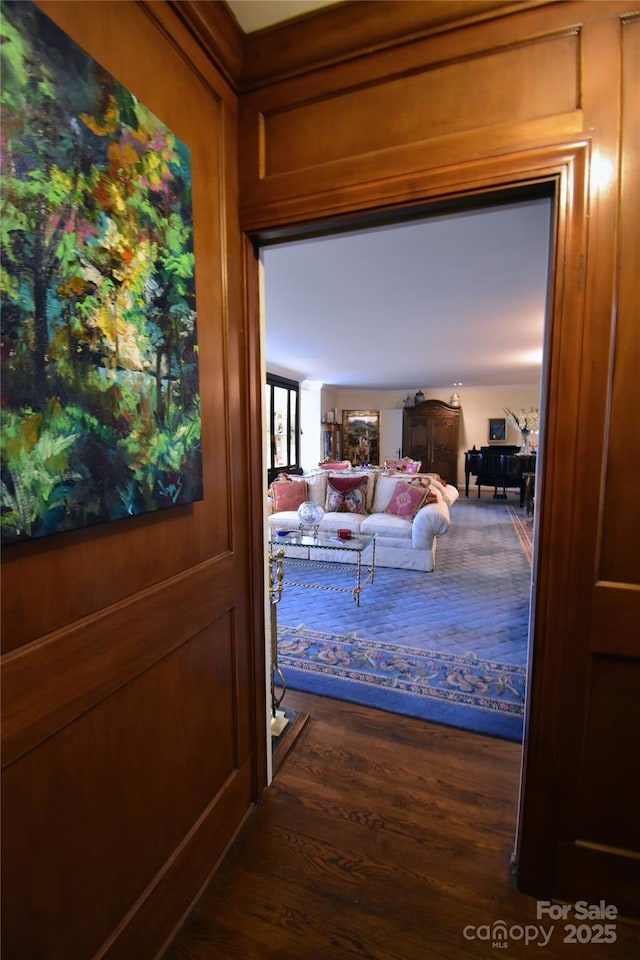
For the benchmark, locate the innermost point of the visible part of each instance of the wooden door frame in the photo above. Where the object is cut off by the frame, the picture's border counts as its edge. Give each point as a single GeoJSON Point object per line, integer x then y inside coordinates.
{"type": "Point", "coordinates": [564, 166]}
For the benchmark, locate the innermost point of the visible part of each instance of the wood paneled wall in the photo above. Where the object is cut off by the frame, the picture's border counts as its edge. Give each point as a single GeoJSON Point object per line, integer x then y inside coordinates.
{"type": "Point", "coordinates": [133, 731]}
{"type": "Point", "coordinates": [133, 681]}
{"type": "Point", "coordinates": [340, 119]}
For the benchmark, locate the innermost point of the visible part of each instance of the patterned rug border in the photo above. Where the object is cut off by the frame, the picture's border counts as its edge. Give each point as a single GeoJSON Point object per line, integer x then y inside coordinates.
{"type": "Point", "coordinates": [523, 530]}
{"type": "Point", "coordinates": [507, 676]}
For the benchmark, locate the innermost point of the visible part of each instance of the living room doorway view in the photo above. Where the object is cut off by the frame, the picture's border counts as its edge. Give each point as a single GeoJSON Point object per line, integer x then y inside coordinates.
{"type": "Point", "coordinates": [430, 321]}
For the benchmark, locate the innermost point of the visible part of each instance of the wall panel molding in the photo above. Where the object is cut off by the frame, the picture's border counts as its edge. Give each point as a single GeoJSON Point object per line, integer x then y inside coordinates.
{"type": "Point", "coordinates": [55, 679]}
{"type": "Point", "coordinates": [168, 738]}
{"type": "Point", "coordinates": [444, 100]}
{"type": "Point", "coordinates": [340, 34]}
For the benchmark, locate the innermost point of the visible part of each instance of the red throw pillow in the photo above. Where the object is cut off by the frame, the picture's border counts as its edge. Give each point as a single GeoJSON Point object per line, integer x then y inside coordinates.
{"type": "Point", "coordinates": [346, 495]}
{"type": "Point", "coordinates": [406, 500]}
{"type": "Point", "coordinates": [288, 494]}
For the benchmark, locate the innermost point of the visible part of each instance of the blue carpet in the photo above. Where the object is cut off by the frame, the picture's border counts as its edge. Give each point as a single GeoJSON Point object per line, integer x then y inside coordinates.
{"type": "Point", "coordinates": [448, 646]}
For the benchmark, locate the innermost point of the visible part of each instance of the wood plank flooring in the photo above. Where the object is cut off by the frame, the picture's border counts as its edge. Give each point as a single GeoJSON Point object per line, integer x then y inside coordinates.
{"type": "Point", "coordinates": [383, 838]}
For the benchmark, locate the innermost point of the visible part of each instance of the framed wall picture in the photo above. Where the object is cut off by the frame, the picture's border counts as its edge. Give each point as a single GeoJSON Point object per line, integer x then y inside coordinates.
{"type": "Point", "coordinates": [497, 430]}
{"type": "Point", "coordinates": [361, 436]}
{"type": "Point", "coordinates": [101, 401]}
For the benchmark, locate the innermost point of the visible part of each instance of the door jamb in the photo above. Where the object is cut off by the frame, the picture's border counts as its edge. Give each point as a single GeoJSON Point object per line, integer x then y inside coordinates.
{"type": "Point", "coordinates": [565, 166]}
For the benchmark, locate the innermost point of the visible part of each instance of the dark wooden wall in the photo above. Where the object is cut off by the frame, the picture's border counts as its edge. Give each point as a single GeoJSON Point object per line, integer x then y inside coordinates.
{"type": "Point", "coordinates": [345, 115]}
{"type": "Point", "coordinates": [132, 673]}
{"type": "Point", "coordinates": [132, 690]}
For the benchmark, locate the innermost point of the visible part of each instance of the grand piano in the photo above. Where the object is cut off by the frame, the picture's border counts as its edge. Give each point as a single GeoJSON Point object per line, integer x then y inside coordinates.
{"type": "Point", "coordinates": [500, 468]}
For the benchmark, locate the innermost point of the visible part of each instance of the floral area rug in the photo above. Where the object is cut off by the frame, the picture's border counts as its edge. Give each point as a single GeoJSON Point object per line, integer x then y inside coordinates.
{"type": "Point", "coordinates": [448, 646]}
{"type": "Point", "coordinates": [431, 685]}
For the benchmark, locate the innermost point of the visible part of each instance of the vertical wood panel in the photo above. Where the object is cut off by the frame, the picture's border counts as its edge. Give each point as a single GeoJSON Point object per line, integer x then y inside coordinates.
{"type": "Point", "coordinates": [620, 556]}
{"type": "Point", "coordinates": [130, 682]}
{"type": "Point", "coordinates": [599, 842]}
{"type": "Point", "coordinates": [442, 100]}
{"type": "Point", "coordinates": [81, 804]}
{"type": "Point", "coordinates": [606, 817]}
{"type": "Point", "coordinates": [49, 683]}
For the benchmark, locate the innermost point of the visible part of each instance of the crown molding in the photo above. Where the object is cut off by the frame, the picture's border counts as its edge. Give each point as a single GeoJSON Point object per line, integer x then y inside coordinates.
{"type": "Point", "coordinates": [338, 33]}
{"type": "Point", "coordinates": [324, 37]}
{"type": "Point", "coordinates": [216, 31]}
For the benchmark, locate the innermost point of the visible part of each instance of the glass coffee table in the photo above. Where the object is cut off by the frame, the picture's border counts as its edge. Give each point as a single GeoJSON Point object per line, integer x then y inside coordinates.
{"type": "Point", "coordinates": [303, 549]}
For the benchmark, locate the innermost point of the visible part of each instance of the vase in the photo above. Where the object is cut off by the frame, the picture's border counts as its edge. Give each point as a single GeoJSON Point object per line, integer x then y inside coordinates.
{"type": "Point", "coordinates": [525, 448]}
{"type": "Point", "coordinates": [310, 515]}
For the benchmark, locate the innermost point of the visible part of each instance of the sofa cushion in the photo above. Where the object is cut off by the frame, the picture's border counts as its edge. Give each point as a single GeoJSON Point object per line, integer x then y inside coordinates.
{"type": "Point", "coordinates": [332, 522]}
{"type": "Point", "coordinates": [285, 520]}
{"type": "Point", "coordinates": [383, 492]}
{"type": "Point", "coordinates": [388, 526]}
{"type": "Point", "coordinates": [346, 495]}
{"type": "Point", "coordinates": [406, 500]}
{"type": "Point", "coordinates": [288, 494]}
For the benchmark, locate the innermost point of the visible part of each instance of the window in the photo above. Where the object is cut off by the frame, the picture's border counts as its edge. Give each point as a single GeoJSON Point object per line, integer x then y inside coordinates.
{"type": "Point", "coordinates": [283, 447]}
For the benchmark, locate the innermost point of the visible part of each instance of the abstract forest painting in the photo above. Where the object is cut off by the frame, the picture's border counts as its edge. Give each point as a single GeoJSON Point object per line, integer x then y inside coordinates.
{"type": "Point", "coordinates": [100, 397]}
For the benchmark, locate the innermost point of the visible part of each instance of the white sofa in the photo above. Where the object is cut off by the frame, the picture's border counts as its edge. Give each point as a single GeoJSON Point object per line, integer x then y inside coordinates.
{"type": "Point", "coordinates": [407, 544]}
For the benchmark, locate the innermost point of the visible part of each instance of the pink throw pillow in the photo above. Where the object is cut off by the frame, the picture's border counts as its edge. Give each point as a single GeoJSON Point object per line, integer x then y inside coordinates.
{"type": "Point", "coordinates": [288, 494]}
{"type": "Point", "coordinates": [406, 500]}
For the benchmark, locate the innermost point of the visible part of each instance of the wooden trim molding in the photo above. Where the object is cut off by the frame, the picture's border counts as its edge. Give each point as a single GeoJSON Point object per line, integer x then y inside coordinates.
{"type": "Point", "coordinates": [415, 187]}
{"type": "Point", "coordinates": [566, 165]}
{"type": "Point", "coordinates": [52, 681]}
{"type": "Point", "coordinates": [171, 890]}
{"type": "Point", "coordinates": [336, 34]}
{"type": "Point", "coordinates": [216, 31]}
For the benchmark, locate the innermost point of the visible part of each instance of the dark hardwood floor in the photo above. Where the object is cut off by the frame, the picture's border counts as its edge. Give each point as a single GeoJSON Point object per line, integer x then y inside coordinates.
{"type": "Point", "coordinates": [383, 838]}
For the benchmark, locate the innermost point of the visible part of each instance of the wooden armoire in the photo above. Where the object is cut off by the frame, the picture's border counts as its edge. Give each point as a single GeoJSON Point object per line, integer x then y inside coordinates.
{"type": "Point", "coordinates": [430, 434]}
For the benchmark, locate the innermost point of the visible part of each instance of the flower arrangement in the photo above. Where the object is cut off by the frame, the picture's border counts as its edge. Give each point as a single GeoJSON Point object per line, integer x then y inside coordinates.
{"type": "Point", "coordinates": [524, 419]}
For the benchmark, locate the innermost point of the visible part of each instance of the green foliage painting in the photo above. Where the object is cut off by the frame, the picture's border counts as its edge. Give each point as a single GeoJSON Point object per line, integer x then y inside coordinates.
{"type": "Point", "coordinates": [100, 400]}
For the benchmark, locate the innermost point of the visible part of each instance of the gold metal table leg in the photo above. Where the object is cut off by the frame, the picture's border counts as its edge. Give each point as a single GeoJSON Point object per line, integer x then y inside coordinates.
{"type": "Point", "coordinates": [359, 587]}
{"type": "Point", "coordinates": [275, 594]}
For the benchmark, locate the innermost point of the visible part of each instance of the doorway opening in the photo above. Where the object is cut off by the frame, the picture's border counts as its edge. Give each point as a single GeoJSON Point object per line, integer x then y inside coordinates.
{"type": "Point", "coordinates": [299, 351]}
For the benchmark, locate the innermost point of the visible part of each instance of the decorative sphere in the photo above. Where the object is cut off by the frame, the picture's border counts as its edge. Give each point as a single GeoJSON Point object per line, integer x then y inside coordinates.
{"type": "Point", "coordinates": [310, 514]}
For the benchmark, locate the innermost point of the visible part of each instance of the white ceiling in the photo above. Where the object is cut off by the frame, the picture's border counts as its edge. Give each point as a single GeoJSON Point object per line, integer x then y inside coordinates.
{"type": "Point", "coordinates": [455, 298]}
{"type": "Point", "coordinates": [256, 14]}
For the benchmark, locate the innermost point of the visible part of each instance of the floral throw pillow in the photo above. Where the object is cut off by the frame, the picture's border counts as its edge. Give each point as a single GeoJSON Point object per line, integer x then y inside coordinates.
{"type": "Point", "coordinates": [406, 500]}
{"type": "Point", "coordinates": [355, 501]}
{"type": "Point", "coordinates": [288, 494]}
{"type": "Point", "coordinates": [347, 495]}
{"type": "Point", "coordinates": [430, 495]}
